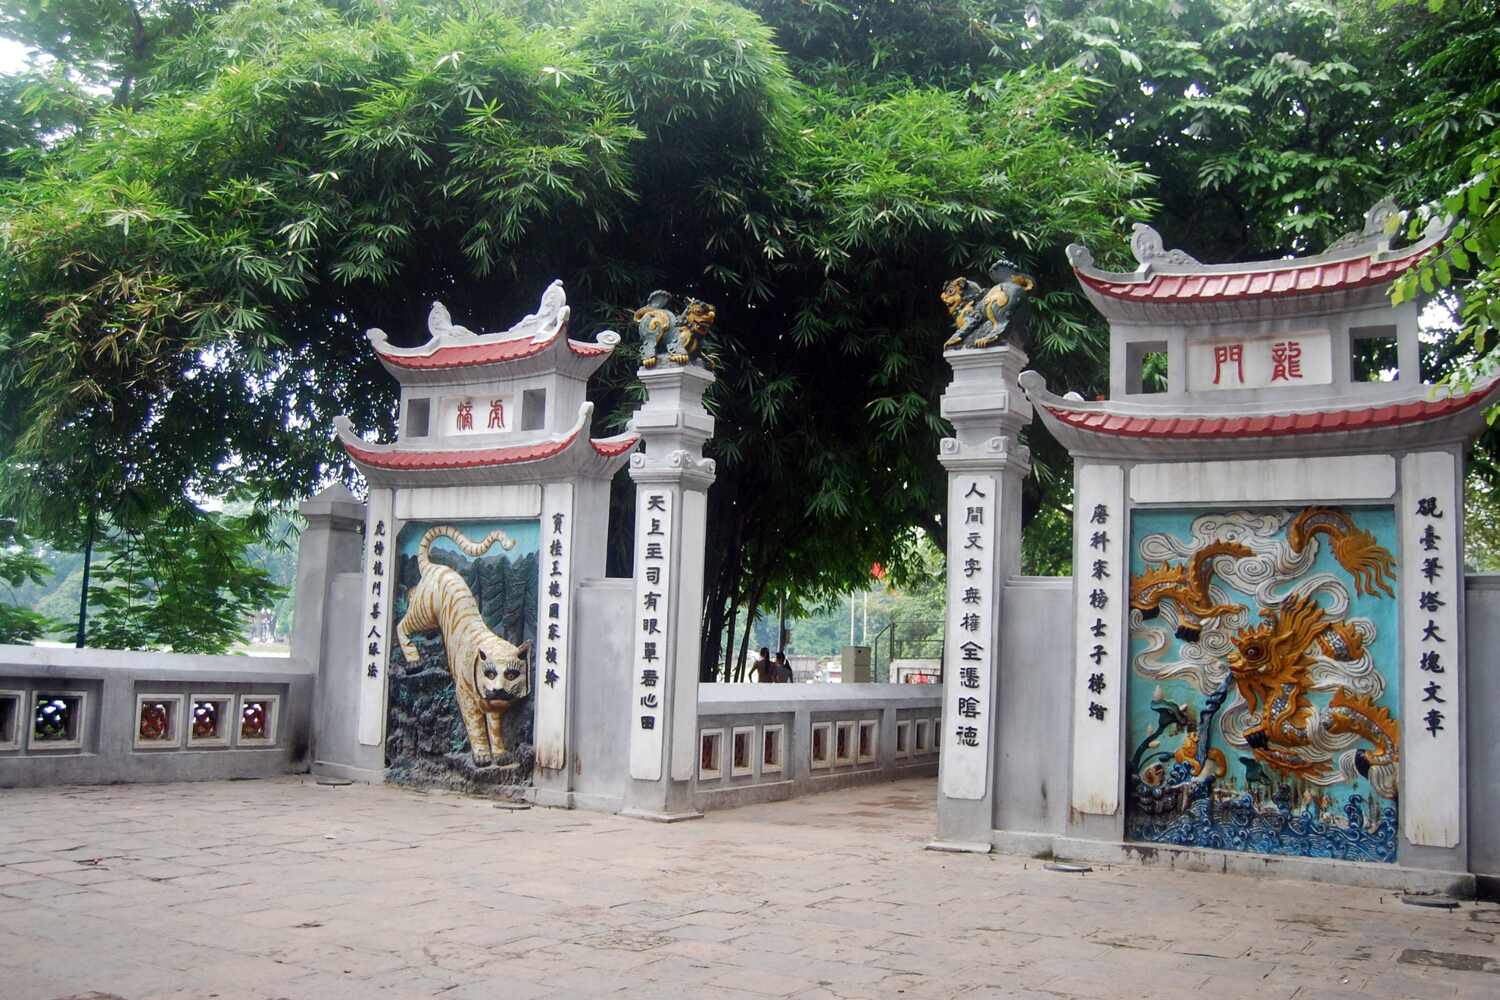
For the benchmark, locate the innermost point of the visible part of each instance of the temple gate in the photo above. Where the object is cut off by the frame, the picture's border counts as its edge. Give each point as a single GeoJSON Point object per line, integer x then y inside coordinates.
{"type": "Point", "coordinates": [492, 501]}
{"type": "Point", "coordinates": [1268, 635]}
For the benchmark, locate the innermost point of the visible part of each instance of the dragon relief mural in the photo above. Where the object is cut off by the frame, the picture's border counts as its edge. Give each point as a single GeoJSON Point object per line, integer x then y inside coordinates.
{"type": "Point", "coordinates": [461, 672]}
{"type": "Point", "coordinates": [1263, 676]}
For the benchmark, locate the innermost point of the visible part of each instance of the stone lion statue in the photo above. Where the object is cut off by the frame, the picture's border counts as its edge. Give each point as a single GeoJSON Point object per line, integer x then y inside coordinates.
{"type": "Point", "coordinates": [982, 318]}
{"type": "Point", "coordinates": [670, 336]}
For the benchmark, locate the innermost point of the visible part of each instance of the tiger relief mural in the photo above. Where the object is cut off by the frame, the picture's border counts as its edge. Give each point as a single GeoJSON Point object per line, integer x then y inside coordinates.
{"type": "Point", "coordinates": [461, 670]}
{"type": "Point", "coordinates": [1263, 681]}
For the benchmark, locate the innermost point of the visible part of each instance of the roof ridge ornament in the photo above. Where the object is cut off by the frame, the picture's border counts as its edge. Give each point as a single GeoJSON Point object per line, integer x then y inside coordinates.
{"type": "Point", "coordinates": [546, 324]}
{"type": "Point", "coordinates": [1146, 244]}
{"type": "Point", "coordinates": [1382, 222]}
{"type": "Point", "coordinates": [441, 326]}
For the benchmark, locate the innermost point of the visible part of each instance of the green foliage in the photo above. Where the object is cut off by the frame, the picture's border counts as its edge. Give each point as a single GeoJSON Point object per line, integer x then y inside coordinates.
{"type": "Point", "coordinates": [1454, 163]}
{"type": "Point", "coordinates": [180, 581]}
{"type": "Point", "coordinates": [20, 564]}
{"type": "Point", "coordinates": [186, 275]}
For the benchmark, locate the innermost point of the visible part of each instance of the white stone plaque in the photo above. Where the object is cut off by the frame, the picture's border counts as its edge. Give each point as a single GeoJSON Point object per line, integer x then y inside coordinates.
{"type": "Point", "coordinates": [555, 559]}
{"type": "Point", "coordinates": [375, 615]}
{"type": "Point", "coordinates": [462, 415]}
{"type": "Point", "coordinates": [1266, 480]}
{"type": "Point", "coordinates": [1286, 359]}
{"type": "Point", "coordinates": [1431, 648]}
{"type": "Point", "coordinates": [1101, 532]}
{"type": "Point", "coordinates": [651, 700]}
{"type": "Point", "coordinates": [968, 653]}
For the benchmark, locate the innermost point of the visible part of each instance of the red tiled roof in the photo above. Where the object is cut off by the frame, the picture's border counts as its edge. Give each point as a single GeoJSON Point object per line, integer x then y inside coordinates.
{"type": "Point", "coordinates": [478, 458]}
{"type": "Point", "coordinates": [588, 350]}
{"type": "Point", "coordinates": [464, 355]}
{"type": "Point", "coordinates": [1271, 283]}
{"type": "Point", "coordinates": [1268, 425]}
{"type": "Point", "coordinates": [611, 447]}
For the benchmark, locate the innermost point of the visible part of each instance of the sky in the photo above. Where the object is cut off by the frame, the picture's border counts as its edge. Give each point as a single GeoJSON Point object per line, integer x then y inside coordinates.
{"type": "Point", "coordinates": [12, 56]}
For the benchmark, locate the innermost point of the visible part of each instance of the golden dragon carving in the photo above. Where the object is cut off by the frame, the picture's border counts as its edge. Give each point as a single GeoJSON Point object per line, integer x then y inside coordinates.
{"type": "Point", "coordinates": [1366, 560]}
{"type": "Point", "coordinates": [1270, 664]}
{"type": "Point", "coordinates": [1186, 586]}
{"type": "Point", "coordinates": [1270, 661]}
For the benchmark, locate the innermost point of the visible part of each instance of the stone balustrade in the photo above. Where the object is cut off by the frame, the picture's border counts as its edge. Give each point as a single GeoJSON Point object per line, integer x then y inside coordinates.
{"type": "Point", "coordinates": [92, 716]}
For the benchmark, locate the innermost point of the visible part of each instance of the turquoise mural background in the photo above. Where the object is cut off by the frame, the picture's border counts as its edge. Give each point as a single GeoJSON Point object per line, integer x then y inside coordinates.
{"type": "Point", "coordinates": [1336, 813]}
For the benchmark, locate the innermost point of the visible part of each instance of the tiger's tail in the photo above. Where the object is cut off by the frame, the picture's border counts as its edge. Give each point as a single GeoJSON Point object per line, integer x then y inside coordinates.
{"type": "Point", "coordinates": [470, 549]}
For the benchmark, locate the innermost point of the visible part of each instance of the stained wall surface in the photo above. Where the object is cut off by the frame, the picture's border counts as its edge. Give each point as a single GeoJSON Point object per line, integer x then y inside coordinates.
{"type": "Point", "coordinates": [1032, 748]}
{"type": "Point", "coordinates": [1482, 618]}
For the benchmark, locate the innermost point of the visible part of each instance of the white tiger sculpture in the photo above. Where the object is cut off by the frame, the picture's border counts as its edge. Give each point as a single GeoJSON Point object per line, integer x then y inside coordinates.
{"type": "Point", "coordinates": [489, 673]}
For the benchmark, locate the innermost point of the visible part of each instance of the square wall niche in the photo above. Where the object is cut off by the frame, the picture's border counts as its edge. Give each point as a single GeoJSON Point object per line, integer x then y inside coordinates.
{"type": "Point", "coordinates": [710, 754]}
{"type": "Point", "coordinates": [158, 721]}
{"type": "Point", "coordinates": [255, 722]}
{"type": "Point", "coordinates": [1145, 366]}
{"type": "Point", "coordinates": [533, 409]}
{"type": "Point", "coordinates": [843, 743]}
{"type": "Point", "coordinates": [868, 742]}
{"type": "Point", "coordinates": [1374, 354]}
{"type": "Point", "coordinates": [821, 751]}
{"type": "Point", "coordinates": [57, 720]}
{"type": "Point", "coordinates": [772, 749]}
{"type": "Point", "coordinates": [937, 740]}
{"type": "Point", "coordinates": [12, 711]}
{"type": "Point", "coordinates": [922, 736]}
{"type": "Point", "coordinates": [210, 719]}
{"type": "Point", "coordinates": [903, 738]}
{"type": "Point", "coordinates": [418, 418]}
{"type": "Point", "coordinates": [742, 752]}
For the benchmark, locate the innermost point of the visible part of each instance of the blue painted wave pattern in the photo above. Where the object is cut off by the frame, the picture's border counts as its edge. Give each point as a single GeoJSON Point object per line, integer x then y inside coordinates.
{"type": "Point", "coordinates": [1237, 824]}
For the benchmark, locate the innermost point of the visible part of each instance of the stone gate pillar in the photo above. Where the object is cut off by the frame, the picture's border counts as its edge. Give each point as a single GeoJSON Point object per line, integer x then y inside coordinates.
{"type": "Point", "coordinates": [986, 464]}
{"type": "Point", "coordinates": [671, 501]}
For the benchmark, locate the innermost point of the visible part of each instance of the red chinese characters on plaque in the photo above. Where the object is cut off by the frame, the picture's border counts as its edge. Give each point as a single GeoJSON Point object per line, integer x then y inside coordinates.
{"type": "Point", "coordinates": [1257, 363]}
{"type": "Point", "coordinates": [1229, 354]}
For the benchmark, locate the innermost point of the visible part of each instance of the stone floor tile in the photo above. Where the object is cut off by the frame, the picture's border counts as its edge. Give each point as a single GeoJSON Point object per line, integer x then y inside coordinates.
{"type": "Point", "coordinates": [241, 888]}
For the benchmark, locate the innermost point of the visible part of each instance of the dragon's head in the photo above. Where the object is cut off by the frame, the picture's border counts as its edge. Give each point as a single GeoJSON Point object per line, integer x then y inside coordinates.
{"type": "Point", "coordinates": [1280, 642]}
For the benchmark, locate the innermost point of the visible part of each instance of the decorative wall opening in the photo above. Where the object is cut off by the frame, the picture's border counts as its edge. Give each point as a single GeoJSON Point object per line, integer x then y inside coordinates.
{"type": "Point", "coordinates": [534, 409]}
{"type": "Point", "coordinates": [57, 720]}
{"type": "Point", "coordinates": [1262, 691]}
{"type": "Point", "coordinates": [868, 733]}
{"type": "Point", "coordinates": [1146, 366]}
{"type": "Point", "coordinates": [710, 754]}
{"type": "Point", "coordinates": [158, 721]}
{"type": "Point", "coordinates": [460, 669]}
{"type": "Point", "coordinates": [903, 738]}
{"type": "Point", "coordinates": [843, 746]}
{"type": "Point", "coordinates": [210, 720]}
{"type": "Point", "coordinates": [11, 712]}
{"type": "Point", "coordinates": [822, 745]}
{"type": "Point", "coordinates": [922, 736]}
{"type": "Point", "coordinates": [257, 720]}
{"type": "Point", "coordinates": [1373, 354]}
{"type": "Point", "coordinates": [742, 752]}
{"type": "Point", "coordinates": [418, 417]}
{"type": "Point", "coordinates": [772, 749]}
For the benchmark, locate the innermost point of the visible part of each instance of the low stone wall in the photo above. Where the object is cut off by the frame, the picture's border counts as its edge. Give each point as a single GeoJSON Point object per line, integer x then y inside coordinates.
{"type": "Point", "coordinates": [766, 742]}
{"type": "Point", "coordinates": [92, 716]}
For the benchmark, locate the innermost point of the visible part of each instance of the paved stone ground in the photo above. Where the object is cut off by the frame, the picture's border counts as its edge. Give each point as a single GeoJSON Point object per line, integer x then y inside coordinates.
{"type": "Point", "coordinates": [289, 889]}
